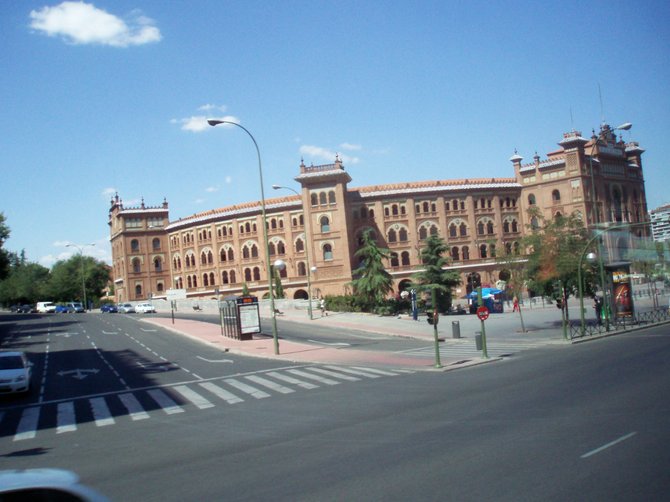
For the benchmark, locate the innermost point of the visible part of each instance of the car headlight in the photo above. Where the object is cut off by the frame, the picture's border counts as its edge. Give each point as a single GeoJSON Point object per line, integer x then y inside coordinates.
{"type": "Point", "coordinates": [20, 378]}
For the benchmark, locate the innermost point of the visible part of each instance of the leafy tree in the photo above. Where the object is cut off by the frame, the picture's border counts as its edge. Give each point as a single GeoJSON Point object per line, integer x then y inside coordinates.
{"type": "Point", "coordinates": [434, 277]}
{"type": "Point", "coordinates": [245, 289]}
{"type": "Point", "coordinates": [66, 278]}
{"type": "Point", "coordinates": [25, 283]}
{"type": "Point", "coordinates": [4, 255]}
{"type": "Point", "coordinates": [372, 282]}
{"type": "Point", "coordinates": [554, 249]}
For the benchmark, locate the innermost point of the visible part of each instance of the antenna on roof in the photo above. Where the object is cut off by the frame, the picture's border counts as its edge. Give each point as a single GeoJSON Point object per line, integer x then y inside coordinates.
{"type": "Point", "coordinates": [602, 108]}
{"type": "Point", "coordinates": [572, 120]}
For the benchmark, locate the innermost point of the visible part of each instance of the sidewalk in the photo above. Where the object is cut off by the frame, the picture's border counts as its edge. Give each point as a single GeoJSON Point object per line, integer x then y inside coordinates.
{"type": "Point", "coordinates": [540, 323]}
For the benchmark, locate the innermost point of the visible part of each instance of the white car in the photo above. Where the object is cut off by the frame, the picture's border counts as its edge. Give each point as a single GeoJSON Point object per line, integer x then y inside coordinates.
{"type": "Point", "coordinates": [144, 308]}
{"type": "Point", "coordinates": [15, 370]}
{"type": "Point", "coordinates": [126, 308]}
{"type": "Point", "coordinates": [45, 307]}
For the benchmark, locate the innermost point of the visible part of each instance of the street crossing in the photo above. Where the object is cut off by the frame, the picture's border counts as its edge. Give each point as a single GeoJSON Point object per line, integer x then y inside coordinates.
{"type": "Point", "coordinates": [466, 349]}
{"type": "Point", "coordinates": [64, 417]}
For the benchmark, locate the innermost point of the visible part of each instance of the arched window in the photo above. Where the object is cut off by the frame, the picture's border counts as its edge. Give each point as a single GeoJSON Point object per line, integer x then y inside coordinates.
{"type": "Point", "coordinates": [515, 226]}
{"type": "Point", "coordinates": [482, 251]}
{"type": "Point", "coordinates": [508, 248]}
{"type": "Point", "coordinates": [158, 264]}
{"type": "Point", "coordinates": [299, 246]}
{"type": "Point", "coordinates": [489, 227]}
{"type": "Point", "coordinates": [271, 249]}
{"type": "Point", "coordinates": [556, 196]}
{"type": "Point", "coordinates": [331, 197]}
{"type": "Point", "coordinates": [156, 244]}
{"type": "Point", "coordinates": [325, 224]}
{"type": "Point", "coordinates": [392, 236]}
{"type": "Point", "coordinates": [205, 280]}
{"type": "Point", "coordinates": [257, 274]}
{"type": "Point", "coordinates": [224, 277]}
{"type": "Point", "coordinates": [233, 280]}
{"type": "Point", "coordinates": [322, 199]}
{"type": "Point", "coordinates": [223, 256]}
{"type": "Point", "coordinates": [245, 252]}
{"type": "Point", "coordinates": [138, 291]}
{"type": "Point", "coordinates": [273, 223]}
{"type": "Point", "coordinates": [254, 251]}
{"type": "Point", "coordinates": [531, 199]}
{"type": "Point", "coordinates": [463, 230]}
{"type": "Point", "coordinates": [394, 209]}
{"type": "Point", "coordinates": [454, 253]}
{"type": "Point", "coordinates": [404, 258]}
{"type": "Point", "coordinates": [465, 252]}
{"type": "Point", "coordinates": [231, 254]}
{"type": "Point", "coordinates": [247, 274]}
{"type": "Point", "coordinates": [516, 248]}
{"type": "Point", "coordinates": [402, 235]}
{"type": "Point", "coordinates": [302, 268]}
{"type": "Point", "coordinates": [426, 207]}
{"type": "Point", "coordinates": [394, 260]}
{"type": "Point", "coordinates": [452, 230]}
{"type": "Point", "coordinates": [137, 268]}
{"type": "Point", "coordinates": [134, 245]}
{"type": "Point", "coordinates": [314, 199]}
{"type": "Point", "coordinates": [189, 283]}
{"type": "Point", "coordinates": [281, 249]}
{"type": "Point", "coordinates": [506, 226]}
{"type": "Point", "coordinates": [423, 233]}
{"type": "Point", "coordinates": [433, 230]}
{"type": "Point", "coordinates": [534, 223]}
{"type": "Point", "coordinates": [327, 252]}
{"type": "Point", "coordinates": [480, 228]}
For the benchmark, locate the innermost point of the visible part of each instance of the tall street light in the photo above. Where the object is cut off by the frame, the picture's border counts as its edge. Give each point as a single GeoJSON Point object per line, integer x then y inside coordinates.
{"type": "Point", "coordinates": [595, 217]}
{"type": "Point", "coordinates": [81, 259]}
{"type": "Point", "coordinates": [273, 312]}
{"type": "Point", "coordinates": [309, 273]}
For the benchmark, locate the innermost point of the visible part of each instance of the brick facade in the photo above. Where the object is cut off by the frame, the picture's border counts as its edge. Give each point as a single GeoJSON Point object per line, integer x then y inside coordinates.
{"type": "Point", "coordinates": [479, 219]}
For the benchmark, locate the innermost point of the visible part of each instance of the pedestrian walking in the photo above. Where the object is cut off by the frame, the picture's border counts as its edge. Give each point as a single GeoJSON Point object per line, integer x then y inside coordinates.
{"type": "Point", "coordinates": [515, 303]}
{"type": "Point", "coordinates": [322, 304]}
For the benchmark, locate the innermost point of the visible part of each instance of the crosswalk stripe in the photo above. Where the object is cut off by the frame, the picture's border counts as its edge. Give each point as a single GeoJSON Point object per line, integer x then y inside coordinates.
{"type": "Point", "coordinates": [194, 397]}
{"type": "Point", "coordinates": [269, 384]}
{"type": "Point", "coordinates": [291, 380]}
{"type": "Point", "coordinates": [353, 372]}
{"type": "Point", "coordinates": [65, 418]}
{"type": "Point", "coordinates": [376, 371]}
{"type": "Point", "coordinates": [247, 389]}
{"type": "Point", "coordinates": [310, 376]}
{"type": "Point", "coordinates": [221, 393]}
{"type": "Point", "coordinates": [165, 402]}
{"type": "Point", "coordinates": [101, 413]}
{"type": "Point", "coordinates": [133, 406]}
{"type": "Point", "coordinates": [335, 374]}
{"type": "Point", "coordinates": [28, 425]}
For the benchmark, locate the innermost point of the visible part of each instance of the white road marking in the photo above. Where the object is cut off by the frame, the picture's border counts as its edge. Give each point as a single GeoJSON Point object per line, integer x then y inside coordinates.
{"type": "Point", "coordinates": [376, 371]}
{"type": "Point", "coordinates": [66, 419]}
{"type": "Point", "coordinates": [608, 445]}
{"type": "Point", "coordinates": [215, 360]}
{"type": "Point", "coordinates": [101, 412]}
{"type": "Point", "coordinates": [291, 380]}
{"type": "Point", "coordinates": [358, 372]}
{"type": "Point", "coordinates": [248, 389]}
{"type": "Point", "coordinates": [222, 393]}
{"type": "Point", "coordinates": [269, 384]}
{"type": "Point", "coordinates": [304, 374]}
{"type": "Point", "coordinates": [194, 397]}
{"type": "Point", "coordinates": [133, 406]}
{"type": "Point", "coordinates": [28, 425]}
{"type": "Point", "coordinates": [335, 374]}
{"type": "Point", "coordinates": [165, 402]}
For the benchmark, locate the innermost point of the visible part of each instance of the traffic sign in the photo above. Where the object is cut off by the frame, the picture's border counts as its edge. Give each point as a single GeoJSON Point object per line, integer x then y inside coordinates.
{"type": "Point", "coordinates": [483, 313]}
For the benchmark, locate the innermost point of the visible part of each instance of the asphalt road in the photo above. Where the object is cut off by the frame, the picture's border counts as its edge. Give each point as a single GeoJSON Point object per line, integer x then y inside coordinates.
{"type": "Point", "coordinates": [585, 423]}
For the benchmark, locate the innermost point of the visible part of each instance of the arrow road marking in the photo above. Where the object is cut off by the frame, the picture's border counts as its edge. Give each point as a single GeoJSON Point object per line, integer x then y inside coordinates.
{"type": "Point", "coordinates": [79, 374]}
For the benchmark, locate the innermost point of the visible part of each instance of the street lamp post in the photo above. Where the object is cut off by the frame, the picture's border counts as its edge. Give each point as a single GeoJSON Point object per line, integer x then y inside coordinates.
{"type": "Point", "coordinates": [309, 275]}
{"type": "Point", "coordinates": [273, 313]}
{"type": "Point", "coordinates": [81, 259]}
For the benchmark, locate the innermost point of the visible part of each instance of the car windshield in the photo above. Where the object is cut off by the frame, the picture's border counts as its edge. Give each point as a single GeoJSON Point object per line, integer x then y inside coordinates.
{"type": "Point", "coordinates": [11, 363]}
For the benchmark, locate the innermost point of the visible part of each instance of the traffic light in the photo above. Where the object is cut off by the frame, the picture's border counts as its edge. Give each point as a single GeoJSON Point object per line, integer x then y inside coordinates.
{"type": "Point", "coordinates": [430, 319]}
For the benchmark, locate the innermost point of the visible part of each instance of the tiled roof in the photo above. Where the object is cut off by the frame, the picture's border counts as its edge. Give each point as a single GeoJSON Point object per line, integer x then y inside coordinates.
{"type": "Point", "coordinates": [435, 186]}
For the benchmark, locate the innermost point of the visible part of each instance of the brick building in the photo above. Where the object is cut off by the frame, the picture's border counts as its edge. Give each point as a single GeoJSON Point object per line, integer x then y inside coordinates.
{"type": "Point", "coordinates": [599, 178]}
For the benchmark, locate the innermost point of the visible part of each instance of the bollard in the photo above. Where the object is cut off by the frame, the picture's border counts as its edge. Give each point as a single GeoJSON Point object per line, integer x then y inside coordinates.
{"type": "Point", "coordinates": [478, 340]}
{"type": "Point", "coordinates": [455, 329]}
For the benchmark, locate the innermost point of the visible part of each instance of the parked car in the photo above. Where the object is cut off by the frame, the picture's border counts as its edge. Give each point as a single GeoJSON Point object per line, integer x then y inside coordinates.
{"type": "Point", "coordinates": [61, 309]}
{"type": "Point", "coordinates": [110, 308]}
{"type": "Point", "coordinates": [25, 309]}
{"type": "Point", "coordinates": [46, 307]}
{"type": "Point", "coordinates": [75, 308]}
{"type": "Point", "coordinates": [126, 308]}
{"type": "Point", "coordinates": [144, 308]}
{"type": "Point", "coordinates": [15, 370]}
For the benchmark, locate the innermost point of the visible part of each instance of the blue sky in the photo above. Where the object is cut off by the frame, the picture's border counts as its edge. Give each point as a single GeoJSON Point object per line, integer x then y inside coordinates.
{"type": "Point", "coordinates": [111, 96]}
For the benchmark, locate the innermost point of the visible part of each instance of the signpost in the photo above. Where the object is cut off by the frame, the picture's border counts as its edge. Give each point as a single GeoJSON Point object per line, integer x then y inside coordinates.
{"type": "Point", "coordinates": [483, 314]}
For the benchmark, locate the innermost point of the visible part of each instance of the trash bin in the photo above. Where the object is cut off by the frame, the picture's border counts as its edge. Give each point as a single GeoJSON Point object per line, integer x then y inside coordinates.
{"type": "Point", "coordinates": [478, 341]}
{"type": "Point", "coordinates": [455, 329]}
